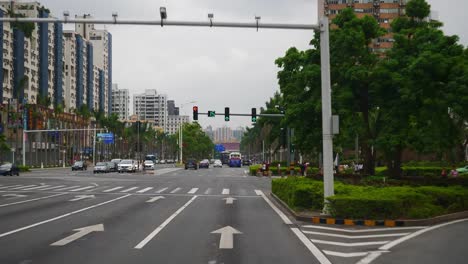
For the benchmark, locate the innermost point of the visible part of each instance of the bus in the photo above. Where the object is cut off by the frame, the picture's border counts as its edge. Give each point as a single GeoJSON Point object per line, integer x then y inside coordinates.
{"type": "Point", "coordinates": [225, 157]}
{"type": "Point", "coordinates": [235, 159]}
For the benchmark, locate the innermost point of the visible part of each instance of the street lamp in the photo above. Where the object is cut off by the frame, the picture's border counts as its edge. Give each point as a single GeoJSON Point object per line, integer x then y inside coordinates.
{"type": "Point", "coordinates": [163, 13]}
{"type": "Point", "coordinates": [115, 15]}
{"type": "Point", "coordinates": [181, 133]}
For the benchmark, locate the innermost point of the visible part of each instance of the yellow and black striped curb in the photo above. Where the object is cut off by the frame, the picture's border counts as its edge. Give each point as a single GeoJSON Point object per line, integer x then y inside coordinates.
{"type": "Point", "coordinates": [352, 222]}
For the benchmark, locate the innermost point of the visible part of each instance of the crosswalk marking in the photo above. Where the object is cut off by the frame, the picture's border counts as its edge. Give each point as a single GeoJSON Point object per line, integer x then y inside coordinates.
{"type": "Point", "coordinates": [129, 189]}
{"type": "Point", "coordinates": [345, 255]}
{"type": "Point", "coordinates": [22, 186]}
{"type": "Point", "coordinates": [11, 186]}
{"type": "Point", "coordinates": [161, 190]}
{"type": "Point", "coordinates": [225, 191]}
{"type": "Point", "coordinates": [354, 237]}
{"type": "Point", "coordinates": [82, 189]}
{"type": "Point", "coordinates": [67, 188]}
{"type": "Point", "coordinates": [33, 188]}
{"type": "Point", "coordinates": [113, 189]}
{"type": "Point", "coordinates": [145, 190]}
{"type": "Point", "coordinates": [208, 191]}
{"type": "Point", "coordinates": [176, 190]}
{"type": "Point", "coordinates": [51, 188]}
{"type": "Point", "coordinates": [193, 190]}
{"type": "Point", "coordinates": [358, 244]}
{"type": "Point", "coordinates": [258, 192]}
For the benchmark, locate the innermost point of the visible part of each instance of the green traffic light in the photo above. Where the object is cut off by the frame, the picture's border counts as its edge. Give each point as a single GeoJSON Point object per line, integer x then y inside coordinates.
{"type": "Point", "coordinates": [254, 119]}
{"type": "Point", "coordinates": [226, 118]}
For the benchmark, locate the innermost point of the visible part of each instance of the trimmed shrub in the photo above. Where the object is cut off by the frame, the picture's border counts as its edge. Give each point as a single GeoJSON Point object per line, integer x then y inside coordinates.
{"type": "Point", "coordinates": [253, 169]}
{"type": "Point", "coordinates": [24, 168]}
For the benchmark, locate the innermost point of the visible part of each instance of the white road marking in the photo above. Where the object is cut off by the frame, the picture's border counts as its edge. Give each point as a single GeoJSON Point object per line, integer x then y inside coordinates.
{"type": "Point", "coordinates": [10, 186]}
{"type": "Point", "coordinates": [129, 189]}
{"type": "Point", "coordinates": [113, 189]}
{"type": "Point", "coordinates": [145, 190]}
{"type": "Point", "coordinates": [176, 190]}
{"type": "Point", "coordinates": [354, 237]}
{"type": "Point", "coordinates": [164, 224]}
{"type": "Point", "coordinates": [66, 188]}
{"type": "Point", "coordinates": [161, 190]}
{"type": "Point", "coordinates": [208, 191]}
{"type": "Point", "coordinates": [258, 192]}
{"type": "Point", "coordinates": [81, 233]}
{"type": "Point", "coordinates": [362, 230]}
{"type": "Point", "coordinates": [278, 211]}
{"type": "Point", "coordinates": [359, 244]}
{"type": "Point", "coordinates": [51, 188]}
{"type": "Point", "coordinates": [371, 257]}
{"type": "Point", "coordinates": [193, 190]}
{"type": "Point", "coordinates": [81, 197]}
{"type": "Point", "coordinates": [154, 199]}
{"type": "Point", "coordinates": [312, 248]}
{"type": "Point", "coordinates": [14, 195]}
{"type": "Point", "coordinates": [31, 200]}
{"type": "Point", "coordinates": [226, 241]}
{"type": "Point", "coordinates": [225, 191]}
{"type": "Point", "coordinates": [229, 200]}
{"type": "Point", "coordinates": [82, 189]}
{"type": "Point", "coordinates": [20, 187]}
{"type": "Point", "coordinates": [62, 216]}
{"type": "Point", "coordinates": [35, 188]}
{"type": "Point", "coordinates": [345, 255]}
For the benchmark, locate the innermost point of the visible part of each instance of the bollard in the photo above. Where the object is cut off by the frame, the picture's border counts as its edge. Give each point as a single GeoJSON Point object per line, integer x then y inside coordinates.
{"type": "Point", "coordinates": [42, 165]}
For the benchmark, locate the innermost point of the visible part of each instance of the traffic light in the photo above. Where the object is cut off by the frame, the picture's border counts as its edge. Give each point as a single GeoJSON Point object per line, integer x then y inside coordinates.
{"type": "Point", "coordinates": [195, 113]}
{"type": "Point", "coordinates": [254, 115]}
{"type": "Point", "coordinates": [211, 113]}
{"type": "Point", "coordinates": [226, 114]}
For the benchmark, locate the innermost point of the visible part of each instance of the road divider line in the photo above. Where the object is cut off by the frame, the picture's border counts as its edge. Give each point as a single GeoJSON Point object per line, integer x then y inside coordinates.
{"type": "Point", "coordinates": [363, 230]}
{"type": "Point", "coordinates": [161, 190]}
{"type": "Point", "coordinates": [354, 237]}
{"type": "Point", "coordinates": [51, 188]}
{"type": "Point", "coordinates": [225, 191]}
{"type": "Point", "coordinates": [82, 189]}
{"type": "Point", "coordinates": [62, 216]}
{"type": "Point", "coordinates": [345, 255]}
{"type": "Point", "coordinates": [113, 189]}
{"type": "Point", "coordinates": [145, 190]}
{"type": "Point", "coordinates": [176, 190]}
{"type": "Point", "coordinates": [193, 190]}
{"type": "Point", "coordinates": [164, 224]}
{"type": "Point", "coordinates": [67, 188]}
{"type": "Point", "coordinates": [341, 244]}
{"type": "Point", "coordinates": [311, 247]}
{"type": "Point", "coordinates": [276, 209]}
{"type": "Point", "coordinates": [32, 200]}
{"type": "Point", "coordinates": [129, 189]}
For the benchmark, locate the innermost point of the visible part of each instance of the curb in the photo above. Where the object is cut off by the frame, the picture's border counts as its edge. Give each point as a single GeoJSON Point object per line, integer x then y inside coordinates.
{"type": "Point", "coordinates": [328, 220]}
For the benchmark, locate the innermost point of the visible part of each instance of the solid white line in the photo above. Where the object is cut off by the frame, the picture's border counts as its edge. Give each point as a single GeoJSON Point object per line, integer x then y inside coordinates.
{"type": "Point", "coordinates": [175, 190]}
{"type": "Point", "coordinates": [145, 190]}
{"type": "Point", "coordinates": [31, 200]}
{"type": "Point", "coordinates": [278, 211]}
{"type": "Point", "coordinates": [354, 237]}
{"type": "Point", "coordinates": [82, 189]}
{"type": "Point", "coordinates": [362, 230]}
{"type": "Point", "coordinates": [312, 248]}
{"type": "Point", "coordinates": [225, 191]}
{"type": "Point", "coordinates": [258, 192]}
{"type": "Point", "coordinates": [9, 186]}
{"type": "Point", "coordinates": [113, 189]}
{"type": "Point", "coordinates": [129, 189]}
{"type": "Point", "coordinates": [62, 216]}
{"type": "Point", "coordinates": [345, 255]}
{"type": "Point", "coordinates": [164, 224]}
{"type": "Point", "coordinates": [35, 188]}
{"type": "Point", "coordinates": [417, 233]}
{"type": "Point", "coordinates": [359, 244]}
{"type": "Point", "coordinates": [21, 187]}
{"type": "Point", "coordinates": [371, 257]}
{"type": "Point", "coordinates": [208, 191]}
{"type": "Point", "coordinates": [161, 190]}
{"type": "Point", "coordinates": [50, 188]}
{"type": "Point", "coordinates": [66, 188]}
{"type": "Point", "coordinates": [193, 190]}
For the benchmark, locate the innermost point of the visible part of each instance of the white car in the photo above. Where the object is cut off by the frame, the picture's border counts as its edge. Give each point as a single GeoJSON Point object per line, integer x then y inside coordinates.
{"type": "Point", "coordinates": [217, 163]}
{"type": "Point", "coordinates": [127, 165]}
{"type": "Point", "coordinates": [148, 165]}
{"type": "Point", "coordinates": [162, 162]}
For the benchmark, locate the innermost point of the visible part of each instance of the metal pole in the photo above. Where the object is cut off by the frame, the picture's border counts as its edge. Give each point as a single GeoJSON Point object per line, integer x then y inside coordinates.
{"type": "Point", "coordinates": [24, 147]}
{"type": "Point", "coordinates": [326, 111]}
{"type": "Point", "coordinates": [94, 147]}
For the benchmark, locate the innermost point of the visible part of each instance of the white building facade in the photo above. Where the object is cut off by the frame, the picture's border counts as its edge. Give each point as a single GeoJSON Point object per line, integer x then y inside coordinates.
{"type": "Point", "coordinates": [151, 106]}
{"type": "Point", "coordinates": [120, 102]}
{"type": "Point", "coordinates": [174, 122]}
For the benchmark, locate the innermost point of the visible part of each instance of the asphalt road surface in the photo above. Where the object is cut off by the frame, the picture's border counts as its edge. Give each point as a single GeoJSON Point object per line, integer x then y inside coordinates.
{"type": "Point", "coordinates": [171, 215]}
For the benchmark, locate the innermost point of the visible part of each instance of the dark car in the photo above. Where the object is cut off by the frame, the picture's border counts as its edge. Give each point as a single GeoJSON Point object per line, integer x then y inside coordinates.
{"type": "Point", "coordinates": [79, 165]}
{"type": "Point", "coordinates": [9, 169]}
{"type": "Point", "coordinates": [112, 166]}
{"type": "Point", "coordinates": [191, 164]}
{"type": "Point", "coordinates": [246, 162]}
{"type": "Point", "coordinates": [204, 164]}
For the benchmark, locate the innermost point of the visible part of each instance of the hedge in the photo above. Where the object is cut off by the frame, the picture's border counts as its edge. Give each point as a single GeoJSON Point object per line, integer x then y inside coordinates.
{"type": "Point", "coordinates": [23, 168]}
{"type": "Point", "coordinates": [284, 170]}
{"type": "Point", "coordinates": [368, 202]}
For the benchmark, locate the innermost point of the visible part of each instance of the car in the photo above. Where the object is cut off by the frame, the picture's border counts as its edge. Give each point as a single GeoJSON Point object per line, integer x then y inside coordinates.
{"type": "Point", "coordinates": [463, 169]}
{"type": "Point", "coordinates": [127, 165]}
{"type": "Point", "coordinates": [170, 161]}
{"type": "Point", "coordinates": [116, 161]}
{"type": "Point", "coordinates": [101, 167]}
{"type": "Point", "coordinates": [246, 162]}
{"type": "Point", "coordinates": [162, 161]}
{"type": "Point", "coordinates": [217, 164]}
{"type": "Point", "coordinates": [191, 164]}
{"type": "Point", "coordinates": [156, 161]}
{"type": "Point", "coordinates": [204, 164]}
{"type": "Point", "coordinates": [212, 161]}
{"type": "Point", "coordinates": [79, 165]}
{"type": "Point", "coordinates": [148, 165]}
{"type": "Point", "coordinates": [9, 169]}
{"type": "Point", "coordinates": [112, 166]}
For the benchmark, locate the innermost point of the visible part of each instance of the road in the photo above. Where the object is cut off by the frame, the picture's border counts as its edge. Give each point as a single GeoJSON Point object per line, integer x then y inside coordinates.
{"type": "Point", "coordinates": [171, 215]}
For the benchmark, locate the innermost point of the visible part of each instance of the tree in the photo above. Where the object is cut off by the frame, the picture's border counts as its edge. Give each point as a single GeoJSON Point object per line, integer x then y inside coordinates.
{"type": "Point", "coordinates": [196, 144]}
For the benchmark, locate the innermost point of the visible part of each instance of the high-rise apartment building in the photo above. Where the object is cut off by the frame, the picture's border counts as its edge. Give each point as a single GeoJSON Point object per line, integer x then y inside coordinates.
{"type": "Point", "coordinates": [151, 106]}
{"type": "Point", "coordinates": [171, 108]}
{"type": "Point", "coordinates": [223, 135]}
{"type": "Point", "coordinates": [120, 102]}
{"type": "Point", "coordinates": [384, 11]}
{"type": "Point", "coordinates": [174, 122]}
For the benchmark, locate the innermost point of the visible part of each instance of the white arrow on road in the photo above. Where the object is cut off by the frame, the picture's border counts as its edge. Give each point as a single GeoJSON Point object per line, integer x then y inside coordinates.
{"type": "Point", "coordinates": [81, 197]}
{"type": "Point", "coordinates": [81, 233]}
{"type": "Point", "coordinates": [154, 199]}
{"type": "Point", "coordinates": [227, 236]}
{"type": "Point", "coordinates": [229, 200]}
{"type": "Point", "coordinates": [14, 195]}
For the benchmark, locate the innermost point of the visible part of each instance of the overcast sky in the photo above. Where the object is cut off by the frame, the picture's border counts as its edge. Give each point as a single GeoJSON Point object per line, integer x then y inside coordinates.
{"type": "Point", "coordinates": [215, 67]}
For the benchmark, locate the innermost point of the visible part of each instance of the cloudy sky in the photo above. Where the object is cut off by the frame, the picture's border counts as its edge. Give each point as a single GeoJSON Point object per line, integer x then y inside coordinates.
{"type": "Point", "coordinates": [212, 66]}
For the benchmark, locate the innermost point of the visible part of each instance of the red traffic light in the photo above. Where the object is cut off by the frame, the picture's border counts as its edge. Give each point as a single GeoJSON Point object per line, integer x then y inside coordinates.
{"type": "Point", "coordinates": [195, 108]}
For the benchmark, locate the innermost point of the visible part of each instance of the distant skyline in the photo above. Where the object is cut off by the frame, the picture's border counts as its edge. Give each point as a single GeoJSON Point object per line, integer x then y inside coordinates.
{"type": "Point", "coordinates": [217, 67]}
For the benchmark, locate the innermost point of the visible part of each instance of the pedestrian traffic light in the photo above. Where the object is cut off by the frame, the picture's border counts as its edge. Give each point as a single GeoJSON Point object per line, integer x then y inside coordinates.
{"type": "Point", "coordinates": [195, 113]}
{"type": "Point", "coordinates": [226, 114]}
{"type": "Point", "coordinates": [211, 113]}
{"type": "Point", "coordinates": [254, 115]}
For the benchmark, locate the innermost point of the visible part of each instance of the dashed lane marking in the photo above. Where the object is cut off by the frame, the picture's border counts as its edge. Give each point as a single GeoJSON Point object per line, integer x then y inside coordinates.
{"type": "Point", "coordinates": [145, 190]}
{"type": "Point", "coordinates": [176, 190]}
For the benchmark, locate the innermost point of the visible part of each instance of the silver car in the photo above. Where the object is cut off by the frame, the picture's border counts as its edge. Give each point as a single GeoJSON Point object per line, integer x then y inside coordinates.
{"type": "Point", "coordinates": [127, 165]}
{"type": "Point", "coordinates": [101, 167]}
